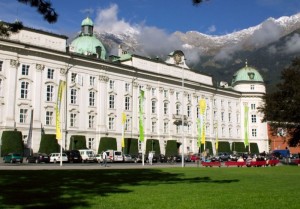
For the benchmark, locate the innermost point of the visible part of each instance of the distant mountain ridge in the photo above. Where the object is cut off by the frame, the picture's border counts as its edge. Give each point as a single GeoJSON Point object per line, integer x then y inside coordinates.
{"type": "Point", "coordinates": [269, 47]}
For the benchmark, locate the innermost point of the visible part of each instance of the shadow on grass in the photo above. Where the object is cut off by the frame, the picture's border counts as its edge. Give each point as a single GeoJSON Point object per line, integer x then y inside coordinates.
{"type": "Point", "coordinates": [69, 188]}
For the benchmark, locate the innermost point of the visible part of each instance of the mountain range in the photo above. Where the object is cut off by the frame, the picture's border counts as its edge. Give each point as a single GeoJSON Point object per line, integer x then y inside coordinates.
{"type": "Point", "coordinates": [269, 47]}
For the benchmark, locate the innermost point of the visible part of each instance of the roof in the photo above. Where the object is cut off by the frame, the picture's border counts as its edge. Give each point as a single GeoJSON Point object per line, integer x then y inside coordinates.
{"type": "Point", "coordinates": [246, 74]}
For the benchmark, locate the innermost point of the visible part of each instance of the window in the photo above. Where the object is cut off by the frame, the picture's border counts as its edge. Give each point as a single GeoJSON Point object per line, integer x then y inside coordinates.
{"type": "Point", "coordinates": [127, 87]}
{"type": "Point", "coordinates": [252, 87]}
{"type": "Point", "coordinates": [73, 96]}
{"type": "Point", "coordinates": [127, 125]}
{"type": "Point", "coordinates": [153, 90]}
{"type": "Point", "coordinates": [189, 97]}
{"type": "Point", "coordinates": [111, 101]}
{"type": "Point", "coordinates": [127, 103]}
{"type": "Point", "coordinates": [1, 86]}
{"type": "Point", "coordinates": [50, 73]}
{"type": "Point", "coordinates": [177, 95]}
{"type": "Point", "coordinates": [25, 69]}
{"type": "Point", "coordinates": [177, 109]}
{"type": "Point", "coordinates": [189, 111]}
{"type": "Point", "coordinates": [229, 117]}
{"type": "Point", "coordinates": [166, 93]}
{"type": "Point", "coordinates": [49, 118]}
{"type": "Point", "coordinates": [91, 142]}
{"type": "Point", "coordinates": [91, 121]}
{"type": "Point", "coordinates": [153, 107]}
{"type": "Point", "coordinates": [254, 132]}
{"type": "Point", "coordinates": [215, 115]}
{"type": "Point", "coordinates": [222, 116]}
{"type": "Point", "coordinates": [92, 98]}
{"type": "Point", "coordinates": [92, 80]}
{"type": "Point", "coordinates": [111, 84]}
{"type": "Point", "coordinates": [178, 129]}
{"type": "Point", "coordinates": [253, 118]}
{"type": "Point", "coordinates": [111, 123]}
{"type": "Point", "coordinates": [24, 89]}
{"type": "Point", "coordinates": [153, 127]}
{"type": "Point", "coordinates": [166, 108]}
{"type": "Point", "coordinates": [73, 77]}
{"type": "Point", "coordinates": [49, 93]}
{"type": "Point", "coordinates": [1, 65]}
{"type": "Point", "coordinates": [166, 127]}
{"type": "Point", "coordinates": [73, 119]}
{"type": "Point", "coordinates": [23, 115]}
{"type": "Point", "coordinates": [229, 130]}
{"type": "Point", "coordinates": [189, 128]}
{"type": "Point", "coordinates": [253, 106]}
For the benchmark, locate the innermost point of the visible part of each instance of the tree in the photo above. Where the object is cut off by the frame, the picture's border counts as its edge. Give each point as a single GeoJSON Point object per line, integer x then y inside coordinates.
{"type": "Point", "coordinates": [281, 108]}
{"type": "Point", "coordinates": [43, 7]}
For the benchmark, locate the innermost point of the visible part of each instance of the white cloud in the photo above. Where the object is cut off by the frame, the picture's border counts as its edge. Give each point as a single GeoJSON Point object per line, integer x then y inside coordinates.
{"type": "Point", "coordinates": [292, 45]}
{"type": "Point", "coordinates": [212, 29]}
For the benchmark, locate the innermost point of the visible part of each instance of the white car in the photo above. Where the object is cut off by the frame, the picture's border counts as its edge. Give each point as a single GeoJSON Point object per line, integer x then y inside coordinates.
{"type": "Point", "coordinates": [55, 157]}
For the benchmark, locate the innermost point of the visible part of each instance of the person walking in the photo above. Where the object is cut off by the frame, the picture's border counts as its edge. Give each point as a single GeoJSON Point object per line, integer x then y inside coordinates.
{"type": "Point", "coordinates": [104, 158]}
{"type": "Point", "coordinates": [150, 157]}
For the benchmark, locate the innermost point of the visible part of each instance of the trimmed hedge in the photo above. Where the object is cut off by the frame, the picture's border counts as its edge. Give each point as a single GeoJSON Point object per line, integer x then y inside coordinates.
{"type": "Point", "coordinates": [171, 148]}
{"type": "Point", "coordinates": [131, 146]}
{"type": "Point", "coordinates": [49, 144]}
{"type": "Point", "coordinates": [238, 147]}
{"type": "Point", "coordinates": [107, 143]}
{"type": "Point", "coordinates": [224, 147]}
{"type": "Point", "coordinates": [77, 142]}
{"type": "Point", "coordinates": [253, 148]}
{"type": "Point", "coordinates": [12, 142]}
{"type": "Point", "coordinates": [152, 143]}
{"type": "Point", "coordinates": [208, 145]}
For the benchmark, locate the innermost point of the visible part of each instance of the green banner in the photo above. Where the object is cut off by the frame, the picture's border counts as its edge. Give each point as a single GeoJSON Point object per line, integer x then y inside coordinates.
{"type": "Point", "coordinates": [246, 109]}
{"type": "Point", "coordinates": [141, 111]}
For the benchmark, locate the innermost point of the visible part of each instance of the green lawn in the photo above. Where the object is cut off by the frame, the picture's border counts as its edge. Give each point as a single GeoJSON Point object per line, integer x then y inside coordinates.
{"type": "Point", "coordinates": [186, 188]}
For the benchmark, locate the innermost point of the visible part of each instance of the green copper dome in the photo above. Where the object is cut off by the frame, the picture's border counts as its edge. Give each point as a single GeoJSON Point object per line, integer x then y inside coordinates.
{"type": "Point", "coordinates": [87, 43]}
{"type": "Point", "coordinates": [87, 21]}
{"type": "Point", "coordinates": [246, 74]}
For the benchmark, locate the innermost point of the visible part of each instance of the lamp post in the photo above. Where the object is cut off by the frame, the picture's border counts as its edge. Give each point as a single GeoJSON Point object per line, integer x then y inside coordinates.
{"type": "Point", "coordinates": [182, 119]}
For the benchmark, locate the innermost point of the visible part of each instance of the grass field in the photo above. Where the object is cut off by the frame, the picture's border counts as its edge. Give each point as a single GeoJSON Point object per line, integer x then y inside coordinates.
{"type": "Point", "coordinates": [167, 188]}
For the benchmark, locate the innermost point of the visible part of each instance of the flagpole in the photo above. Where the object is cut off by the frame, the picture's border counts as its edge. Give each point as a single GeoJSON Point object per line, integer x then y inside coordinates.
{"type": "Point", "coordinates": [182, 119]}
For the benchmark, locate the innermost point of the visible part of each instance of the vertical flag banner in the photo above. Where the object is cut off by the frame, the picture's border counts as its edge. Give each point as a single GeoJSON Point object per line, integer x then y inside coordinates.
{"type": "Point", "coordinates": [217, 139]}
{"type": "Point", "coordinates": [199, 132]}
{"type": "Point", "coordinates": [202, 107]}
{"type": "Point", "coordinates": [62, 85]}
{"type": "Point", "coordinates": [246, 109]}
{"type": "Point", "coordinates": [29, 138]}
{"type": "Point", "coordinates": [123, 129]}
{"type": "Point", "coordinates": [141, 111]}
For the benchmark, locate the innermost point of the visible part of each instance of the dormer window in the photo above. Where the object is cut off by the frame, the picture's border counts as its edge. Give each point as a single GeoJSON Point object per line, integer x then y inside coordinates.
{"type": "Point", "coordinates": [251, 75]}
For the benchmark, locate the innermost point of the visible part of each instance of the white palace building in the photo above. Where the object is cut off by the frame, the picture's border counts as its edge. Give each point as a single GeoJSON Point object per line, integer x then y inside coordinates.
{"type": "Point", "coordinates": [99, 89]}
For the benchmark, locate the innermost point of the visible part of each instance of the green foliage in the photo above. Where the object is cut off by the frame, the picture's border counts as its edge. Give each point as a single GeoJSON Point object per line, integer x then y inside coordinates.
{"type": "Point", "coordinates": [171, 148]}
{"type": "Point", "coordinates": [238, 147]}
{"type": "Point", "coordinates": [281, 108]}
{"type": "Point", "coordinates": [208, 146]}
{"type": "Point", "coordinates": [12, 142]}
{"type": "Point", "coordinates": [49, 144]}
{"type": "Point", "coordinates": [224, 146]}
{"type": "Point", "coordinates": [77, 142]}
{"type": "Point", "coordinates": [152, 145]}
{"type": "Point", "coordinates": [107, 143]}
{"type": "Point", "coordinates": [131, 146]}
{"type": "Point", "coordinates": [253, 148]}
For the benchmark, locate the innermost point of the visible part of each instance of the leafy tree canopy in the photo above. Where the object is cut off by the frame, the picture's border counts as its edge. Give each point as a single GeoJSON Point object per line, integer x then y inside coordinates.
{"type": "Point", "coordinates": [281, 108]}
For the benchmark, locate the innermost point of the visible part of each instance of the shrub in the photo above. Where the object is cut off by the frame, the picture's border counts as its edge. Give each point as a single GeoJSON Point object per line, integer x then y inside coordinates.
{"type": "Point", "coordinates": [208, 146]}
{"type": "Point", "coordinates": [152, 145]}
{"type": "Point", "coordinates": [107, 143]}
{"type": "Point", "coordinates": [224, 146]}
{"type": "Point", "coordinates": [253, 148]}
{"type": "Point", "coordinates": [238, 147]}
{"type": "Point", "coordinates": [12, 142]}
{"type": "Point", "coordinates": [171, 148]}
{"type": "Point", "coordinates": [49, 144]}
{"type": "Point", "coordinates": [131, 146]}
{"type": "Point", "coordinates": [77, 142]}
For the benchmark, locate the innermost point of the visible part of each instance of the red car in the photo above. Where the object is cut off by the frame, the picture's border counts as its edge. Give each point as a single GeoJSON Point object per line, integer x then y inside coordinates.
{"type": "Point", "coordinates": [195, 157]}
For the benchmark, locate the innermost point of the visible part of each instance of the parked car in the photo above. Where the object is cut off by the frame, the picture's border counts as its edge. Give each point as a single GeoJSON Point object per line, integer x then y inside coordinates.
{"type": "Point", "coordinates": [223, 156]}
{"type": "Point", "coordinates": [162, 158]}
{"type": "Point", "coordinates": [127, 158]}
{"type": "Point", "coordinates": [195, 157]}
{"type": "Point", "coordinates": [137, 158]}
{"type": "Point", "coordinates": [187, 158]}
{"type": "Point", "coordinates": [55, 157]}
{"type": "Point", "coordinates": [99, 157]}
{"type": "Point", "coordinates": [87, 155]}
{"type": "Point", "coordinates": [13, 158]}
{"type": "Point", "coordinates": [74, 156]}
{"type": "Point", "coordinates": [38, 158]}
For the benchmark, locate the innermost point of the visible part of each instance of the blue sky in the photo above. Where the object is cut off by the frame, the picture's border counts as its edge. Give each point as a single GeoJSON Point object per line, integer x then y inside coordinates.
{"type": "Point", "coordinates": [214, 17]}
